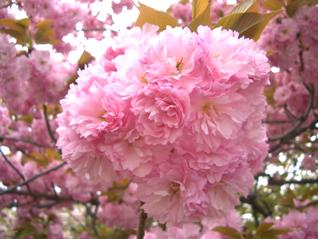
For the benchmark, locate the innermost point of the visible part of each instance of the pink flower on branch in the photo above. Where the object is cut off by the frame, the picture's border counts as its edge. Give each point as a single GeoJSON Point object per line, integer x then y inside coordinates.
{"type": "Point", "coordinates": [176, 112]}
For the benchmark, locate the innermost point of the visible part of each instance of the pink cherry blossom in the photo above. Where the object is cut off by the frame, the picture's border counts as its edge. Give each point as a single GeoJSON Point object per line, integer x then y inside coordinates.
{"type": "Point", "coordinates": [301, 224]}
{"type": "Point", "coordinates": [161, 112]}
{"type": "Point", "coordinates": [178, 113]}
{"type": "Point", "coordinates": [5, 120]}
{"type": "Point", "coordinates": [119, 5]}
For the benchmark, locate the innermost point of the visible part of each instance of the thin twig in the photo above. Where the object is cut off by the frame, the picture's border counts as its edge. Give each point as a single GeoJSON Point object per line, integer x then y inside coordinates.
{"type": "Point", "coordinates": [276, 121]}
{"type": "Point", "coordinates": [289, 114]}
{"type": "Point", "coordinates": [7, 5]}
{"type": "Point", "coordinates": [38, 195]}
{"type": "Point", "coordinates": [94, 218]}
{"type": "Point", "coordinates": [296, 129]}
{"type": "Point", "coordinates": [256, 205]}
{"type": "Point", "coordinates": [48, 126]}
{"type": "Point", "coordinates": [312, 125]}
{"type": "Point", "coordinates": [26, 141]}
{"type": "Point", "coordinates": [14, 187]}
{"type": "Point", "coordinates": [15, 169]}
{"type": "Point", "coordinates": [273, 181]}
{"type": "Point", "coordinates": [92, 30]}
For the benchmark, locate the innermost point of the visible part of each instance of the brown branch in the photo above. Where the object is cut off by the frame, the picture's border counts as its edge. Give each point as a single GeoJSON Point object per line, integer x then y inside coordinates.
{"type": "Point", "coordinates": [26, 141]}
{"type": "Point", "coordinates": [141, 224]}
{"type": "Point", "coordinates": [300, 53]}
{"type": "Point", "coordinates": [15, 169]}
{"type": "Point", "coordinates": [296, 129]}
{"type": "Point", "coordinates": [48, 126]}
{"type": "Point", "coordinates": [92, 30]}
{"type": "Point", "coordinates": [7, 5]}
{"type": "Point", "coordinates": [53, 199]}
{"type": "Point", "coordinates": [38, 195]}
{"type": "Point", "coordinates": [300, 121]}
{"type": "Point", "coordinates": [276, 121]}
{"type": "Point", "coordinates": [256, 206]}
{"type": "Point", "coordinates": [14, 187]}
{"type": "Point", "coordinates": [93, 215]}
{"type": "Point", "coordinates": [280, 182]}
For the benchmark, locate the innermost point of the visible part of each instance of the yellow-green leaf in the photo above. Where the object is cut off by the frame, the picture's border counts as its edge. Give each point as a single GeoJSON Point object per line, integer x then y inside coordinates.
{"type": "Point", "coordinates": [199, 6]}
{"type": "Point", "coordinates": [263, 228]}
{"type": "Point", "coordinates": [248, 24]}
{"type": "Point", "coordinates": [246, 6]}
{"type": "Point", "coordinates": [14, 24]}
{"type": "Point", "coordinates": [84, 59]}
{"type": "Point", "coordinates": [17, 29]}
{"type": "Point", "coordinates": [269, 94]}
{"type": "Point", "coordinates": [72, 79]}
{"type": "Point", "coordinates": [24, 23]}
{"type": "Point", "coordinates": [255, 31]}
{"type": "Point", "coordinates": [293, 5]}
{"type": "Point", "coordinates": [45, 33]}
{"type": "Point", "coordinates": [201, 14]}
{"type": "Point", "coordinates": [272, 233]}
{"type": "Point", "coordinates": [154, 17]}
{"type": "Point", "coordinates": [273, 4]}
{"type": "Point", "coordinates": [280, 231]}
{"type": "Point", "coordinates": [228, 231]}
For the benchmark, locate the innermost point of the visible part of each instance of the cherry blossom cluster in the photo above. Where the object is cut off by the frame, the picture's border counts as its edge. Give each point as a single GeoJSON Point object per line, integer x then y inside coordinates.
{"type": "Point", "coordinates": [120, 212]}
{"type": "Point", "coordinates": [67, 182]}
{"type": "Point", "coordinates": [5, 120]}
{"type": "Point", "coordinates": [178, 113]}
{"type": "Point", "coordinates": [118, 6]}
{"type": "Point", "coordinates": [64, 15]}
{"type": "Point", "coordinates": [3, 13]}
{"type": "Point", "coordinates": [30, 80]}
{"type": "Point", "coordinates": [292, 47]}
{"type": "Point", "coordinates": [289, 94]}
{"type": "Point", "coordinates": [301, 224]}
{"type": "Point", "coordinates": [191, 230]}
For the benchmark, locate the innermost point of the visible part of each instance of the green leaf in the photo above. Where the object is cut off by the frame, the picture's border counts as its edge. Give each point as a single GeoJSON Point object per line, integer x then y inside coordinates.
{"type": "Point", "coordinates": [228, 231]}
{"type": "Point", "coordinates": [72, 79]}
{"type": "Point", "coordinates": [154, 17]}
{"type": "Point", "coordinates": [25, 23]}
{"type": "Point", "coordinates": [293, 5]}
{"type": "Point", "coordinates": [45, 33]}
{"type": "Point", "coordinates": [263, 228]}
{"type": "Point", "coordinates": [201, 14]}
{"type": "Point", "coordinates": [269, 94]}
{"type": "Point", "coordinates": [199, 7]}
{"type": "Point", "coordinates": [18, 29]}
{"type": "Point", "coordinates": [273, 4]}
{"type": "Point", "coordinates": [248, 24]}
{"type": "Point", "coordinates": [254, 31]}
{"type": "Point", "coordinates": [84, 59]}
{"type": "Point", "coordinates": [267, 231]}
{"type": "Point", "coordinates": [246, 6]}
{"type": "Point", "coordinates": [272, 233]}
{"type": "Point", "coordinates": [280, 231]}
